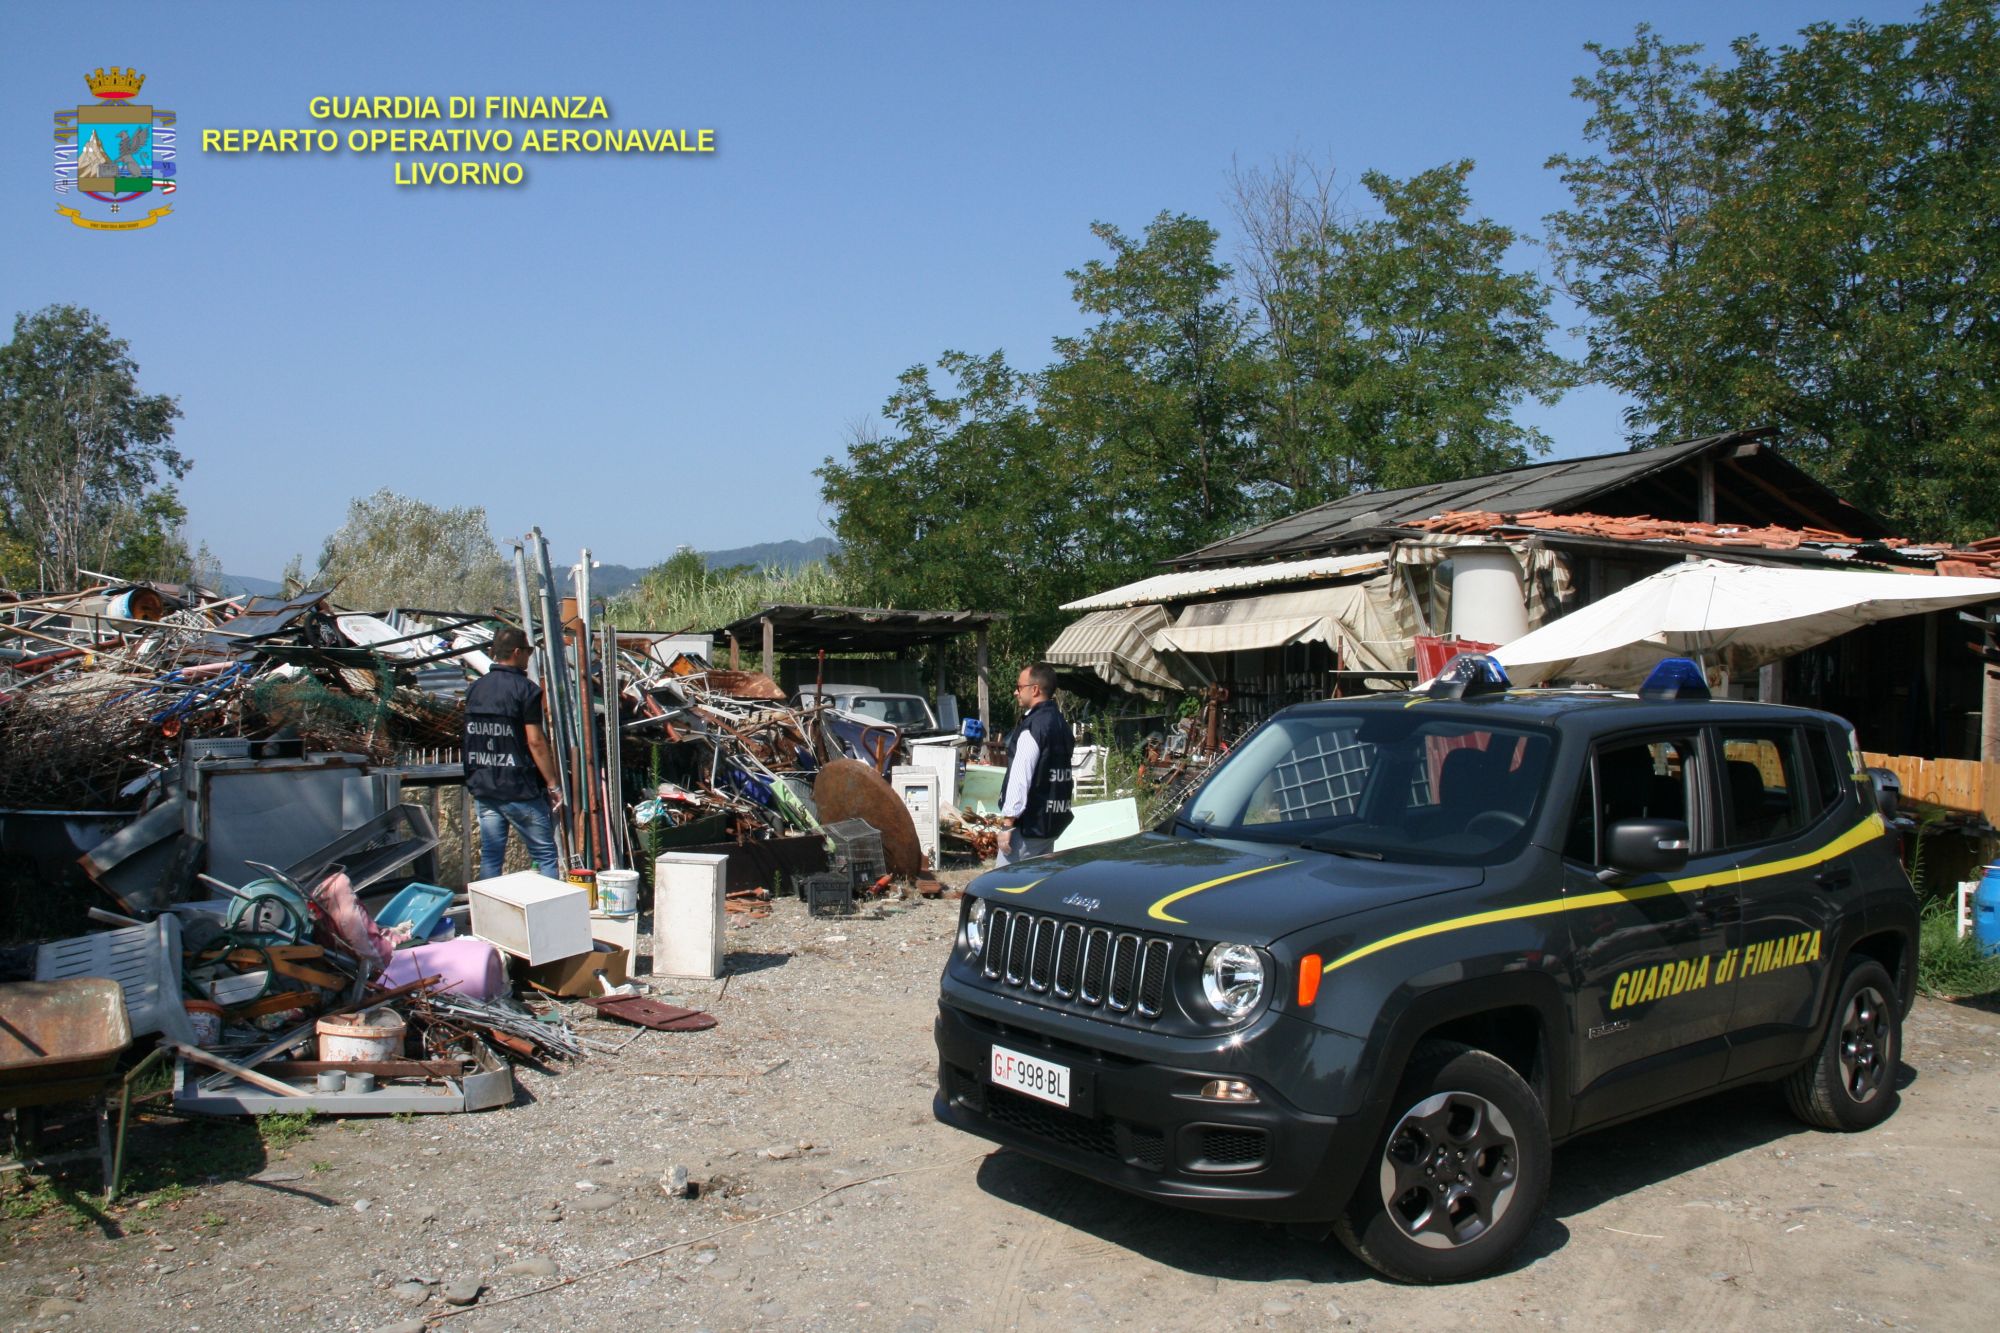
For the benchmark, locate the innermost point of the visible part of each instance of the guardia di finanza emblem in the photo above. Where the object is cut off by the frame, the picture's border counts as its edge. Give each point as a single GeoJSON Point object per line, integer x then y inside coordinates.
{"type": "Point", "coordinates": [114, 153]}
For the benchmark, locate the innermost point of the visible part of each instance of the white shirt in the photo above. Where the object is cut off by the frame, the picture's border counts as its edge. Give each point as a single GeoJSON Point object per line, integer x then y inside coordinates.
{"type": "Point", "coordinates": [1021, 764]}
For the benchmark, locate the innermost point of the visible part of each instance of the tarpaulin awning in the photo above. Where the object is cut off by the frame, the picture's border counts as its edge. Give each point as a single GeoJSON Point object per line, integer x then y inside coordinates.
{"type": "Point", "coordinates": [1737, 616]}
{"type": "Point", "coordinates": [1117, 646]}
{"type": "Point", "coordinates": [1344, 617]}
{"type": "Point", "coordinates": [1183, 584]}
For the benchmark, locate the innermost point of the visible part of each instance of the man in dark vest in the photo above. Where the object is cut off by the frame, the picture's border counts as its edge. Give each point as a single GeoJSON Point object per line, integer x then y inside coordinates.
{"type": "Point", "coordinates": [1034, 810]}
{"type": "Point", "coordinates": [508, 766]}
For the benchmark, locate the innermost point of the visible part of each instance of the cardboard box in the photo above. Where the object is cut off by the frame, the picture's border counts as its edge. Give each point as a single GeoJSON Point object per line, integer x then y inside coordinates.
{"type": "Point", "coordinates": [531, 916]}
{"type": "Point", "coordinates": [577, 976]}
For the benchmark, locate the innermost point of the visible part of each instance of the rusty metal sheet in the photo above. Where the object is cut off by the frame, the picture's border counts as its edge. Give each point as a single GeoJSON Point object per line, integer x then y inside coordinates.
{"type": "Point", "coordinates": [744, 685]}
{"type": "Point", "coordinates": [850, 789]}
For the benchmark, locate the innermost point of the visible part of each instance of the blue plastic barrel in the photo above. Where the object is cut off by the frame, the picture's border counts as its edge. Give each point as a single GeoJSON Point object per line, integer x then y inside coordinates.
{"type": "Point", "coordinates": [1986, 911]}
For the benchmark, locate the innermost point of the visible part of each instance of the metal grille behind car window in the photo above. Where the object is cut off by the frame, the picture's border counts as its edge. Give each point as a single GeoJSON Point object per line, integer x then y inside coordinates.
{"type": "Point", "coordinates": [1323, 777]}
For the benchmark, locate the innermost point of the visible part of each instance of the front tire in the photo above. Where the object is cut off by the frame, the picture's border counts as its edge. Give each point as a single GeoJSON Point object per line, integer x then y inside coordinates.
{"type": "Point", "coordinates": [1850, 1084]}
{"type": "Point", "coordinates": [1462, 1170]}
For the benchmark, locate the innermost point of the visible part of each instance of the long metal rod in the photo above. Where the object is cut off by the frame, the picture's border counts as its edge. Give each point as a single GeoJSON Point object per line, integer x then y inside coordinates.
{"type": "Point", "coordinates": [560, 691]}
{"type": "Point", "coordinates": [614, 759]}
{"type": "Point", "coordinates": [541, 671]}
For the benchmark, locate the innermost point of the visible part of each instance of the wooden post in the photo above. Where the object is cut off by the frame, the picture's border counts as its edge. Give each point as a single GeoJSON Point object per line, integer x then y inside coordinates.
{"type": "Point", "coordinates": [770, 647]}
{"type": "Point", "coordinates": [1705, 503]}
{"type": "Point", "coordinates": [985, 685]}
{"type": "Point", "coordinates": [937, 690]}
{"type": "Point", "coordinates": [1989, 711]}
{"type": "Point", "coordinates": [734, 664]}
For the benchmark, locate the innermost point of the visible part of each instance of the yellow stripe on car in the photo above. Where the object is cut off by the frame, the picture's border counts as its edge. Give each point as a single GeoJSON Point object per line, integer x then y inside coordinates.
{"type": "Point", "coordinates": [1867, 830]}
{"type": "Point", "coordinates": [1024, 888]}
{"type": "Point", "coordinates": [1158, 911]}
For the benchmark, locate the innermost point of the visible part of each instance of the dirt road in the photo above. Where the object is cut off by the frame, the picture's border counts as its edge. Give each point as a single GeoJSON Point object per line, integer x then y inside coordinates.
{"type": "Point", "coordinates": [832, 1200]}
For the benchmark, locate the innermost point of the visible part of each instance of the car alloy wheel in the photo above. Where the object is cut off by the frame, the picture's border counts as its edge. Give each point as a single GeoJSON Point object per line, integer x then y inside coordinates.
{"type": "Point", "coordinates": [1864, 1043]}
{"type": "Point", "coordinates": [1449, 1169]}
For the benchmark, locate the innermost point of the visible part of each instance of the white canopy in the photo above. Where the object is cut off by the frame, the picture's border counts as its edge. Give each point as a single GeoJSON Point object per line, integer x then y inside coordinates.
{"type": "Point", "coordinates": [1737, 616]}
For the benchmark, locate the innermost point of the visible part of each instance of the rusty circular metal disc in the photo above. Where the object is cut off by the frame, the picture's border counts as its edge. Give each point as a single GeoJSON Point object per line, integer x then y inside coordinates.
{"type": "Point", "coordinates": [850, 789]}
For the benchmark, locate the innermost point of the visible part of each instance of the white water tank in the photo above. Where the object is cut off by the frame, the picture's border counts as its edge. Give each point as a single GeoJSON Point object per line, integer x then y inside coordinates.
{"type": "Point", "coordinates": [1487, 601]}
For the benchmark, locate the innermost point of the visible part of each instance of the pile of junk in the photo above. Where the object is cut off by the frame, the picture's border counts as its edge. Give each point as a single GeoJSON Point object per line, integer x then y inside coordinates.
{"type": "Point", "coordinates": [249, 792]}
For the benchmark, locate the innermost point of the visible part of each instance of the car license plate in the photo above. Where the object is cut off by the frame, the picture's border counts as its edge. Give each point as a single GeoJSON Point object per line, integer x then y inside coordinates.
{"type": "Point", "coordinates": [1025, 1073]}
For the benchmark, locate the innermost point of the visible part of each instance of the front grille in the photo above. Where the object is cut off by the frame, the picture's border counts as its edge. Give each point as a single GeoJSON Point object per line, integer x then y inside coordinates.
{"type": "Point", "coordinates": [1233, 1147]}
{"type": "Point", "coordinates": [1149, 1148]}
{"type": "Point", "coordinates": [1058, 1126]}
{"type": "Point", "coordinates": [1091, 966]}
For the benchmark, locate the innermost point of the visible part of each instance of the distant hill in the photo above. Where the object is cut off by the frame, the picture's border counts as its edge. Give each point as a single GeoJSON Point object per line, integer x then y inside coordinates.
{"type": "Point", "coordinates": [773, 555]}
{"type": "Point", "coordinates": [610, 580]}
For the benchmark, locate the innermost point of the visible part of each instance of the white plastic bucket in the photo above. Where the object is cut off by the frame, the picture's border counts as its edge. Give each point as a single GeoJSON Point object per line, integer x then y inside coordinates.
{"type": "Point", "coordinates": [618, 892]}
{"type": "Point", "coordinates": [361, 1040]}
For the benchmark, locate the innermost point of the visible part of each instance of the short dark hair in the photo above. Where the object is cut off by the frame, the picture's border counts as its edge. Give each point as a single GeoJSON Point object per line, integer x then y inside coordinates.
{"type": "Point", "coordinates": [506, 642]}
{"type": "Point", "coordinates": [1043, 677]}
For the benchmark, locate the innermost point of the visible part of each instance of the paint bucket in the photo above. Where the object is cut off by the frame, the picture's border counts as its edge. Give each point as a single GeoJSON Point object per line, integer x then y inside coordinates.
{"type": "Point", "coordinates": [362, 1038]}
{"type": "Point", "coordinates": [585, 880]}
{"type": "Point", "coordinates": [206, 1015]}
{"type": "Point", "coordinates": [1986, 911]}
{"type": "Point", "coordinates": [618, 892]}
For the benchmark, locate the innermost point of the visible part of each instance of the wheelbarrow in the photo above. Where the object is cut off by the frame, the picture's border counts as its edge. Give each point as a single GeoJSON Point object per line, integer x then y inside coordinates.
{"type": "Point", "coordinates": [60, 1042]}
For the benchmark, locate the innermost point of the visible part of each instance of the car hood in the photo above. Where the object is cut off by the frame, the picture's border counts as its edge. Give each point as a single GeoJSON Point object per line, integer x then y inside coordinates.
{"type": "Point", "coordinates": [1248, 892]}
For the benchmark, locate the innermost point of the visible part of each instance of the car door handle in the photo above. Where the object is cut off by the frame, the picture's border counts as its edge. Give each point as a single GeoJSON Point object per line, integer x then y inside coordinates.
{"type": "Point", "coordinates": [1834, 879]}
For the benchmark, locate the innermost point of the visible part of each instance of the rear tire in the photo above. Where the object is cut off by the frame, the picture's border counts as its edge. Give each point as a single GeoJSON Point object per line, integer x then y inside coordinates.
{"type": "Point", "coordinates": [1461, 1170]}
{"type": "Point", "coordinates": [1850, 1084]}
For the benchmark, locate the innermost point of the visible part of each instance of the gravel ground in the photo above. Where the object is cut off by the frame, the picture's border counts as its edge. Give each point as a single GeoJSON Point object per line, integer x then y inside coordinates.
{"type": "Point", "coordinates": [829, 1198]}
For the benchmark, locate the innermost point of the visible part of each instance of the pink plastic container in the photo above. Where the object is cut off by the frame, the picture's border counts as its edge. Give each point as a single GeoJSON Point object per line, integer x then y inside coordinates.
{"type": "Point", "coordinates": [469, 967]}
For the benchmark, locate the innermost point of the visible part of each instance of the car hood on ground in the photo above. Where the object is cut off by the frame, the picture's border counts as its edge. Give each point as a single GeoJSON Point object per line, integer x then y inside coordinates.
{"type": "Point", "coordinates": [1249, 892]}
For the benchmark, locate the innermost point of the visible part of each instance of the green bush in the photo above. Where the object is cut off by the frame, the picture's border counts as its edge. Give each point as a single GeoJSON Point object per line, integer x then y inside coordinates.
{"type": "Point", "coordinates": [1948, 966]}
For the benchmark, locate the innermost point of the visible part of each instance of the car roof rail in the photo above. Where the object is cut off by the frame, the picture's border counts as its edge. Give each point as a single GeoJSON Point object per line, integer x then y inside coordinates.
{"type": "Point", "coordinates": [1675, 678]}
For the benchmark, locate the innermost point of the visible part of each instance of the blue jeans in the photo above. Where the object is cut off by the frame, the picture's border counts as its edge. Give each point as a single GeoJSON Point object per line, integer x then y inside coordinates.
{"type": "Point", "coordinates": [531, 820]}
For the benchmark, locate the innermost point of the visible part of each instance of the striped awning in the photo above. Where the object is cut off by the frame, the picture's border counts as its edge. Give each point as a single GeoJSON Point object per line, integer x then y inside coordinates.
{"type": "Point", "coordinates": [1117, 646]}
{"type": "Point", "coordinates": [1345, 618]}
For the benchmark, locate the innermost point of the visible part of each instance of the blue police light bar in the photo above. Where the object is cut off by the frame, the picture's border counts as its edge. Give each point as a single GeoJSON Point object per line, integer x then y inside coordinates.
{"type": "Point", "coordinates": [1467, 675]}
{"type": "Point", "coordinates": [1675, 678]}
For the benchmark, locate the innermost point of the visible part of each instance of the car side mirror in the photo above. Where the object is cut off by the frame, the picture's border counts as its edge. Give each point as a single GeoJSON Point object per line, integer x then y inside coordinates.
{"type": "Point", "coordinates": [1646, 846]}
{"type": "Point", "coordinates": [1888, 789]}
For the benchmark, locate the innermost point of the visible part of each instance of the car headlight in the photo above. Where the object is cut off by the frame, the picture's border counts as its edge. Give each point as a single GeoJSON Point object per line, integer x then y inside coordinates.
{"type": "Point", "coordinates": [975, 928]}
{"type": "Point", "coordinates": [1232, 977]}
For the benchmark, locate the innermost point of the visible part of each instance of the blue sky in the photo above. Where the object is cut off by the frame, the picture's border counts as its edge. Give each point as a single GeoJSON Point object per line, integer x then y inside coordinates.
{"type": "Point", "coordinates": [636, 353]}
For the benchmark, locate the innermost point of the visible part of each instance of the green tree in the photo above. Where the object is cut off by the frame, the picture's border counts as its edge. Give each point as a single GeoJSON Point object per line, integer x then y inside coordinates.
{"type": "Point", "coordinates": [395, 551]}
{"type": "Point", "coordinates": [86, 459]}
{"type": "Point", "coordinates": [1834, 270]}
{"type": "Point", "coordinates": [965, 501]}
{"type": "Point", "coordinates": [1398, 345]}
{"type": "Point", "coordinates": [1627, 252]}
{"type": "Point", "coordinates": [1155, 397]}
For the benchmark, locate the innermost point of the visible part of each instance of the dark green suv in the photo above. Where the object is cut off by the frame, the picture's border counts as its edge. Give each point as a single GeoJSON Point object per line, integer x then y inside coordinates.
{"type": "Point", "coordinates": [1396, 947]}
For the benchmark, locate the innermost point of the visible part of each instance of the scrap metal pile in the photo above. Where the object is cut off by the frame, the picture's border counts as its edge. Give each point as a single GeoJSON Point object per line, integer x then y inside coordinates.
{"type": "Point", "coordinates": [99, 688]}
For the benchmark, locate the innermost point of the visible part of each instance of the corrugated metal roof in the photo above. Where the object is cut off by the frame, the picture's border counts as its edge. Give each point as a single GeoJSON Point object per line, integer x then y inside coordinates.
{"type": "Point", "coordinates": [1183, 584]}
{"type": "Point", "coordinates": [1564, 484]}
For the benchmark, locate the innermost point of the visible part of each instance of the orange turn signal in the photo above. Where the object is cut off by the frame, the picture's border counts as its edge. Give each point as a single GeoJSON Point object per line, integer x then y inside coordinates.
{"type": "Point", "coordinates": [1310, 971]}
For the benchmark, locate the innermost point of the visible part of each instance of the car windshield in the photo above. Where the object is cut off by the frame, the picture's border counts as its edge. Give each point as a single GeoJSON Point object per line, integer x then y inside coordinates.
{"type": "Point", "coordinates": [898, 710]}
{"type": "Point", "coordinates": [1391, 784]}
